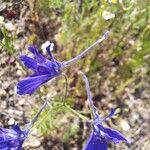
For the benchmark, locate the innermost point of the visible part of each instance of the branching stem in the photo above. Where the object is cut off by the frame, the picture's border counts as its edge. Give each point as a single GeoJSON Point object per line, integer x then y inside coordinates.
{"type": "Point", "coordinates": [76, 113]}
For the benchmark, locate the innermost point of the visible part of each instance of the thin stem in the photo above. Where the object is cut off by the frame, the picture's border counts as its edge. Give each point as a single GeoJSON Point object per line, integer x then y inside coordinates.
{"type": "Point", "coordinates": [76, 113]}
{"type": "Point", "coordinates": [47, 115]}
{"type": "Point", "coordinates": [31, 124]}
{"type": "Point", "coordinates": [81, 55]}
{"type": "Point", "coordinates": [127, 8]}
{"type": "Point", "coordinates": [66, 88]}
{"type": "Point", "coordinates": [93, 108]}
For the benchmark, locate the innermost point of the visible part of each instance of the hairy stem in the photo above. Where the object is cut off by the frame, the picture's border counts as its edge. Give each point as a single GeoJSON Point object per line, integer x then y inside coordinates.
{"type": "Point", "coordinates": [76, 113]}
{"type": "Point", "coordinates": [66, 88]}
{"type": "Point", "coordinates": [93, 108]}
{"type": "Point", "coordinates": [81, 55]}
{"type": "Point", "coordinates": [31, 124]}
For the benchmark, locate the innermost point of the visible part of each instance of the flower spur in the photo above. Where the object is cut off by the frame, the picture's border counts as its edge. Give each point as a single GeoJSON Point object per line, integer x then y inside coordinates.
{"type": "Point", "coordinates": [46, 69]}
{"type": "Point", "coordinates": [101, 136]}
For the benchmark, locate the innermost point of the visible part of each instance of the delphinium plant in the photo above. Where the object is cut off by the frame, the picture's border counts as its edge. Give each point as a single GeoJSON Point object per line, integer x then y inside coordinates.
{"type": "Point", "coordinates": [12, 139]}
{"type": "Point", "coordinates": [46, 69]}
{"type": "Point", "coordinates": [100, 136]}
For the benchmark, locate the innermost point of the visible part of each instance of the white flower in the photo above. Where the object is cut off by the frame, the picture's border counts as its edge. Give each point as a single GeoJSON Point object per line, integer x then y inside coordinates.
{"type": "Point", "coordinates": [46, 44]}
{"type": "Point", "coordinates": [9, 26]}
{"type": "Point", "coordinates": [107, 15]}
{"type": "Point", "coordinates": [120, 1]}
{"type": "Point", "coordinates": [1, 20]}
{"type": "Point", "coordinates": [112, 1]}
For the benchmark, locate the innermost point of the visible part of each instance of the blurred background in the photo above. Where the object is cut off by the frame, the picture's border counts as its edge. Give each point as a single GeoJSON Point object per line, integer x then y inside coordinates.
{"type": "Point", "coordinates": [118, 69]}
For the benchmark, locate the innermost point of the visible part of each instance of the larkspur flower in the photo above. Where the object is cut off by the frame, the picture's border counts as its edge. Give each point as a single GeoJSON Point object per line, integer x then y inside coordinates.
{"type": "Point", "coordinates": [12, 139]}
{"type": "Point", "coordinates": [101, 136]}
{"type": "Point", "coordinates": [46, 69]}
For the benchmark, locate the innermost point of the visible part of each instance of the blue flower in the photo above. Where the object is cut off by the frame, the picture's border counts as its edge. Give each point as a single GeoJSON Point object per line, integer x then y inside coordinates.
{"type": "Point", "coordinates": [12, 139]}
{"type": "Point", "coordinates": [101, 136]}
{"type": "Point", "coordinates": [94, 143]}
{"type": "Point", "coordinates": [44, 70]}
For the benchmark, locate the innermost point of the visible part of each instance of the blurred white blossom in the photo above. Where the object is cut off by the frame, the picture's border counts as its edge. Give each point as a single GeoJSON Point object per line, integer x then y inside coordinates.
{"type": "Point", "coordinates": [107, 15]}
{"type": "Point", "coordinates": [9, 26]}
{"type": "Point", "coordinates": [132, 1]}
{"type": "Point", "coordinates": [112, 1]}
{"type": "Point", "coordinates": [1, 20]}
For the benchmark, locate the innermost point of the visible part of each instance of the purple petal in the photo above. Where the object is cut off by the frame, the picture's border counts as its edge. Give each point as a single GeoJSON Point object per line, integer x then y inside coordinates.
{"type": "Point", "coordinates": [4, 146]}
{"type": "Point", "coordinates": [113, 135]}
{"type": "Point", "coordinates": [6, 131]}
{"type": "Point", "coordinates": [112, 112]}
{"type": "Point", "coordinates": [30, 84]}
{"type": "Point", "coordinates": [17, 129]}
{"type": "Point", "coordinates": [49, 52]}
{"type": "Point", "coordinates": [52, 68]}
{"type": "Point", "coordinates": [29, 62]}
{"type": "Point", "coordinates": [12, 138]}
{"type": "Point", "coordinates": [43, 69]}
{"type": "Point", "coordinates": [94, 143]}
{"type": "Point", "coordinates": [40, 58]}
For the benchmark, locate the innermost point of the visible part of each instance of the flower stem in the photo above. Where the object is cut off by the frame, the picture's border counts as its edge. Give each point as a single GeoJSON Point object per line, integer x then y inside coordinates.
{"type": "Point", "coordinates": [81, 55]}
{"type": "Point", "coordinates": [76, 113]}
{"type": "Point", "coordinates": [66, 89]}
{"type": "Point", "coordinates": [31, 124]}
{"type": "Point", "coordinates": [93, 108]}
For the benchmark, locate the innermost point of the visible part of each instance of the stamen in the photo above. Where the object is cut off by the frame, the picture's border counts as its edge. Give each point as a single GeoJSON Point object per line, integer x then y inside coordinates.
{"type": "Point", "coordinates": [48, 47]}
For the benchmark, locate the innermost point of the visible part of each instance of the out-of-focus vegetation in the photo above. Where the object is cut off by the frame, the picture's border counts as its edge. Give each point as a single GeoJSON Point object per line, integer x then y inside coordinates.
{"type": "Point", "coordinates": [119, 62]}
{"type": "Point", "coordinates": [7, 41]}
{"type": "Point", "coordinates": [116, 61]}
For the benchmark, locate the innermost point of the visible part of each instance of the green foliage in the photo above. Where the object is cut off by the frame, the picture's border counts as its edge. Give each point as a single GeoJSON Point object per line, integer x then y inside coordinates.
{"type": "Point", "coordinates": [48, 121]}
{"type": "Point", "coordinates": [7, 41]}
{"type": "Point", "coordinates": [82, 23]}
{"type": "Point", "coordinates": [56, 3]}
{"type": "Point", "coordinates": [54, 120]}
{"type": "Point", "coordinates": [80, 26]}
{"type": "Point", "coordinates": [141, 50]}
{"type": "Point", "coordinates": [70, 132]}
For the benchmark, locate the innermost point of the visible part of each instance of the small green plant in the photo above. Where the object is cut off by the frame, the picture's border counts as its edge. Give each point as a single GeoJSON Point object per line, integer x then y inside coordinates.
{"type": "Point", "coordinates": [7, 41]}
{"type": "Point", "coordinates": [81, 24]}
{"type": "Point", "coordinates": [55, 119]}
